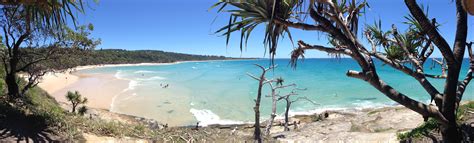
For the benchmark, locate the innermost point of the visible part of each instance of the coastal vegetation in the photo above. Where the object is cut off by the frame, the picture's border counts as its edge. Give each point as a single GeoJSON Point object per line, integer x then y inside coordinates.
{"type": "Point", "coordinates": [118, 56]}
{"type": "Point", "coordinates": [30, 25]}
{"type": "Point", "coordinates": [405, 51]}
{"type": "Point", "coordinates": [76, 99]}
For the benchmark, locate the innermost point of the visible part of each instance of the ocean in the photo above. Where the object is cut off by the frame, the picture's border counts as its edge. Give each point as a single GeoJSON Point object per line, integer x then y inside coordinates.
{"type": "Point", "coordinates": [221, 92]}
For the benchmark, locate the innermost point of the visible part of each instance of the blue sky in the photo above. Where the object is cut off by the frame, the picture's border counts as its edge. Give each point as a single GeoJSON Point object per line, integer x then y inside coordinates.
{"type": "Point", "coordinates": [186, 26]}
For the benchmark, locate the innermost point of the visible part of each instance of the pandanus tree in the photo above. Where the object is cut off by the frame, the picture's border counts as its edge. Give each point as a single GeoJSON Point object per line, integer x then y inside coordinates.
{"type": "Point", "coordinates": [22, 23]}
{"type": "Point", "coordinates": [404, 51]}
{"type": "Point", "coordinates": [76, 98]}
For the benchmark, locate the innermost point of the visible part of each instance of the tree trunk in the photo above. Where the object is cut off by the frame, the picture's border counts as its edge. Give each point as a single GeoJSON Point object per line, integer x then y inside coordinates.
{"type": "Point", "coordinates": [12, 85]}
{"type": "Point", "coordinates": [451, 133]}
{"type": "Point", "coordinates": [273, 114]}
{"type": "Point", "coordinates": [288, 104]}
{"type": "Point", "coordinates": [74, 108]}
{"type": "Point", "coordinates": [11, 78]}
{"type": "Point", "coordinates": [257, 133]}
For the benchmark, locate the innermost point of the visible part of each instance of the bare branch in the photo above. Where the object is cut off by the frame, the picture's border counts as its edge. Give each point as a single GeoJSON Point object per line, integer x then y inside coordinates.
{"type": "Point", "coordinates": [285, 86]}
{"type": "Point", "coordinates": [304, 98]}
{"type": "Point", "coordinates": [356, 74]}
{"type": "Point", "coordinates": [426, 52]}
{"type": "Point", "coordinates": [297, 25]}
{"type": "Point", "coordinates": [305, 46]}
{"type": "Point", "coordinates": [252, 76]}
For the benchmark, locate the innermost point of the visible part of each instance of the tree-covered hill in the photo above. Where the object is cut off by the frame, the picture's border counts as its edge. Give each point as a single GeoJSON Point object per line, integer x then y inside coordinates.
{"type": "Point", "coordinates": [119, 56]}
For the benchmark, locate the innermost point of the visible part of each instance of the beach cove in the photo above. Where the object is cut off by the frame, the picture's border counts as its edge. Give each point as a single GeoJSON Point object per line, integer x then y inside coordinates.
{"type": "Point", "coordinates": [136, 89]}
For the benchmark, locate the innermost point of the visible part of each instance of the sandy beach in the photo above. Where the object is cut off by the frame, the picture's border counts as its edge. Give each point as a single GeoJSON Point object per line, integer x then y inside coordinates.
{"type": "Point", "coordinates": [99, 89]}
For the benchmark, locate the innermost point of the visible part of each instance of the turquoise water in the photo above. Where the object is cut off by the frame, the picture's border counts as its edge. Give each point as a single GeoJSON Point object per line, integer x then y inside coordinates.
{"type": "Point", "coordinates": [221, 92]}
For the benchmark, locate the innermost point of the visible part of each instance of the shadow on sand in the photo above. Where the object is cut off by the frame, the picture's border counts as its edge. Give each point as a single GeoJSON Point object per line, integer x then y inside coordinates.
{"type": "Point", "coordinates": [17, 126]}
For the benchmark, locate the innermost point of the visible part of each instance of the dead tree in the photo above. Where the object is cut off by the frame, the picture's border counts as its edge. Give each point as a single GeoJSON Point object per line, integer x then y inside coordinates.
{"type": "Point", "coordinates": [278, 85]}
{"type": "Point", "coordinates": [262, 80]}
{"type": "Point", "coordinates": [288, 102]}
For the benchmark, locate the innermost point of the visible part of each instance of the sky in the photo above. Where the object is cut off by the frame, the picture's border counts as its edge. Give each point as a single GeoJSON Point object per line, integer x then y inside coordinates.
{"type": "Point", "coordinates": [186, 26]}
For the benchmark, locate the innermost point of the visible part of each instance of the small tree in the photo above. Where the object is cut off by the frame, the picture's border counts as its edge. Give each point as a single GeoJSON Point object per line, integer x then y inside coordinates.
{"type": "Point", "coordinates": [274, 94]}
{"type": "Point", "coordinates": [29, 25]}
{"type": "Point", "coordinates": [289, 102]}
{"type": "Point", "coordinates": [82, 110]}
{"type": "Point", "coordinates": [75, 98]}
{"type": "Point", "coordinates": [262, 80]}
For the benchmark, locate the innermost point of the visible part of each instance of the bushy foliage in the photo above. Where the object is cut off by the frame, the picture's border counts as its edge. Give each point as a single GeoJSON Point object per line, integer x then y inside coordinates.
{"type": "Point", "coordinates": [75, 98]}
{"type": "Point", "coordinates": [82, 110]}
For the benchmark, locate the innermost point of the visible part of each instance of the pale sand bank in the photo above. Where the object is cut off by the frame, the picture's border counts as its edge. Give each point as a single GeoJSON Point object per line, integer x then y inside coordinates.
{"type": "Point", "coordinates": [99, 89]}
{"type": "Point", "coordinates": [53, 82]}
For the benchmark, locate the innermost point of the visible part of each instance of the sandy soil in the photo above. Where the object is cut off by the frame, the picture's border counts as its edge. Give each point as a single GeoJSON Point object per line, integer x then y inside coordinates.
{"type": "Point", "coordinates": [369, 125]}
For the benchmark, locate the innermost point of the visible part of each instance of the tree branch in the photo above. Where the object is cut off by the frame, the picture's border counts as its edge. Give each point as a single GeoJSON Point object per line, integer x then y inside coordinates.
{"type": "Point", "coordinates": [419, 67]}
{"type": "Point", "coordinates": [419, 76]}
{"type": "Point", "coordinates": [461, 33]}
{"type": "Point", "coordinates": [337, 33]}
{"type": "Point", "coordinates": [252, 76]}
{"type": "Point", "coordinates": [430, 30]}
{"type": "Point", "coordinates": [297, 25]}
{"type": "Point", "coordinates": [305, 46]}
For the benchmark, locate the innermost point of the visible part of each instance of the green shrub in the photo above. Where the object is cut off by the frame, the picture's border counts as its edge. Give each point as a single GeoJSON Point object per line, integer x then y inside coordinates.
{"type": "Point", "coordinates": [82, 110]}
{"type": "Point", "coordinates": [420, 131]}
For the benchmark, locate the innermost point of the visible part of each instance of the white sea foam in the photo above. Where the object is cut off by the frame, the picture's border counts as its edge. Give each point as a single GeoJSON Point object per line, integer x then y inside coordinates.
{"type": "Point", "coordinates": [143, 71]}
{"type": "Point", "coordinates": [131, 85]}
{"type": "Point", "coordinates": [315, 111]}
{"type": "Point", "coordinates": [207, 117]}
{"type": "Point", "coordinates": [118, 74]}
{"type": "Point", "coordinates": [151, 78]}
{"type": "Point", "coordinates": [194, 67]}
{"type": "Point", "coordinates": [369, 104]}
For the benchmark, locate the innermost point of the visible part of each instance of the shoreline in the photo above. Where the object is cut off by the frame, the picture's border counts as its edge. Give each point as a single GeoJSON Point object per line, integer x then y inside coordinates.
{"type": "Point", "coordinates": [73, 77]}
{"type": "Point", "coordinates": [54, 82]}
{"type": "Point", "coordinates": [78, 68]}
